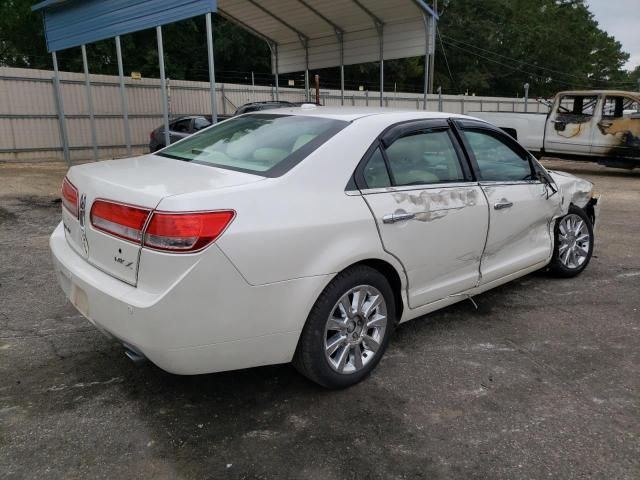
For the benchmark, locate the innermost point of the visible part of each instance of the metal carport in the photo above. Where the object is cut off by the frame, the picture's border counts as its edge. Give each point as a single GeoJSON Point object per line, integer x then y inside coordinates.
{"type": "Point", "coordinates": [301, 34]}
{"type": "Point", "coordinates": [304, 34]}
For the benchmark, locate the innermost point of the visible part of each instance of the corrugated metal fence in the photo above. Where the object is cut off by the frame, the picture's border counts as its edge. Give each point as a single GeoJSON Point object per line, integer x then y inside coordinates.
{"type": "Point", "coordinates": [30, 128]}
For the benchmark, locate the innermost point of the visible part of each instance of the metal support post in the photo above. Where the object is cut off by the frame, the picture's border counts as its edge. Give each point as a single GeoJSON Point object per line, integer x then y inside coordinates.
{"type": "Point", "coordinates": [64, 138]}
{"type": "Point", "coordinates": [92, 118]}
{"type": "Point", "coordinates": [306, 70]}
{"type": "Point", "coordinates": [277, 83]}
{"type": "Point", "coordinates": [123, 97]}
{"type": "Point", "coordinates": [526, 97]}
{"type": "Point", "coordinates": [253, 87]}
{"type": "Point", "coordinates": [163, 87]}
{"type": "Point", "coordinates": [427, 64]}
{"type": "Point", "coordinates": [224, 99]}
{"type": "Point", "coordinates": [439, 99]}
{"type": "Point", "coordinates": [380, 29]}
{"type": "Point", "coordinates": [212, 72]}
{"type": "Point", "coordinates": [340, 36]}
{"type": "Point", "coordinates": [432, 53]}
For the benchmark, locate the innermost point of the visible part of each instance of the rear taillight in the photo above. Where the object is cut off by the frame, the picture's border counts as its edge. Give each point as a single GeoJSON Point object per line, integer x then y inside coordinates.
{"type": "Point", "coordinates": [124, 221]}
{"type": "Point", "coordinates": [185, 232]}
{"type": "Point", "coordinates": [70, 197]}
{"type": "Point", "coordinates": [166, 231]}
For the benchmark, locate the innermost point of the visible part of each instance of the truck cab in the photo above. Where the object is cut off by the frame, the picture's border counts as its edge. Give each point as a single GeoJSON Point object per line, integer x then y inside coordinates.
{"type": "Point", "coordinates": [601, 124]}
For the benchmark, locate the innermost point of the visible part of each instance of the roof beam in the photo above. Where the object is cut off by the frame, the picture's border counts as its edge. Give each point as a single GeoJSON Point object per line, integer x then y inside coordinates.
{"type": "Point", "coordinates": [338, 30]}
{"type": "Point", "coordinates": [240, 23]}
{"type": "Point", "coordinates": [301, 35]}
{"type": "Point", "coordinates": [426, 8]}
{"type": "Point", "coordinates": [373, 16]}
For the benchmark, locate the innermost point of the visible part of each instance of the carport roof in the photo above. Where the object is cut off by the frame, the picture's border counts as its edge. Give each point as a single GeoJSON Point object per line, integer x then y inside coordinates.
{"type": "Point", "coordinates": [307, 33]}
{"type": "Point", "coordinates": [284, 21]}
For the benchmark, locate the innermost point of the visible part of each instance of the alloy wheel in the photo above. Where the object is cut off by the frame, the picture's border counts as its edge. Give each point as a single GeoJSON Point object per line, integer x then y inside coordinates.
{"type": "Point", "coordinates": [355, 329]}
{"type": "Point", "coordinates": [574, 241]}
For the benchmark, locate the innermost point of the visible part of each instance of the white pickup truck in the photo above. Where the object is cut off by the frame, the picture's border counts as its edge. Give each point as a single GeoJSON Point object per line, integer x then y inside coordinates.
{"type": "Point", "coordinates": [601, 124]}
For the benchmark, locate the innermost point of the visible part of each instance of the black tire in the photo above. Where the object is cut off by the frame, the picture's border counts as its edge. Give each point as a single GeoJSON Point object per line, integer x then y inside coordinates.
{"type": "Point", "coordinates": [310, 359]}
{"type": "Point", "coordinates": [559, 268]}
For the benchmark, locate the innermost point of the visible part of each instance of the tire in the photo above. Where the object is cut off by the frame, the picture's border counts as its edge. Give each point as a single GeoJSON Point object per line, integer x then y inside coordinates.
{"type": "Point", "coordinates": [572, 251]}
{"type": "Point", "coordinates": [338, 348]}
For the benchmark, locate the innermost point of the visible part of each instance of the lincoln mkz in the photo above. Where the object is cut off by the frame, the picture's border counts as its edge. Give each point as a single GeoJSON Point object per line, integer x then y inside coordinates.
{"type": "Point", "coordinates": [307, 235]}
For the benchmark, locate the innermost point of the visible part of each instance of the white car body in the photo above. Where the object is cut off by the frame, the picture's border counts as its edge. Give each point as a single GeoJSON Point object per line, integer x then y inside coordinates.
{"type": "Point", "coordinates": [243, 301]}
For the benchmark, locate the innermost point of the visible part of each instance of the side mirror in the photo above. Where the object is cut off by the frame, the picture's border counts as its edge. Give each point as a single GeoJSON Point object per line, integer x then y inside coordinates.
{"type": "Point", "coordinates": [546, 179]}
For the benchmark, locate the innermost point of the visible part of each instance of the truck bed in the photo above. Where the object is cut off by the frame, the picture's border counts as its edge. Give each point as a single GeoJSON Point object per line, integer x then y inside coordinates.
{"type": "Point", "coordinates": [527, 128]}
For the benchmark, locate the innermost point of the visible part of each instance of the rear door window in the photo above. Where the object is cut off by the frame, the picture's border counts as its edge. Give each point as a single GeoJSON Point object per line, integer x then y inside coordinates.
{"type": "Point", "coordinates": [375, 171]}
{"type": "Point", "coordinates": [618, 106]}
{"type": "Point", "coordinates": [424, 157]}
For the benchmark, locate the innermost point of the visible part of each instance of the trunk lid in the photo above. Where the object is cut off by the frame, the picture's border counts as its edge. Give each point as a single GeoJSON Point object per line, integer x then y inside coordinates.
{"type": "Point", "coordinates": [141, 182]}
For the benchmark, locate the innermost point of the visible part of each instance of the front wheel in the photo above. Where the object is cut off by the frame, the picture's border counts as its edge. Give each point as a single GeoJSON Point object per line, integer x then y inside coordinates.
{"type": "Point", "coordinates": [573, 243]}
{"type": "Point", "coordinates": [348, 329]}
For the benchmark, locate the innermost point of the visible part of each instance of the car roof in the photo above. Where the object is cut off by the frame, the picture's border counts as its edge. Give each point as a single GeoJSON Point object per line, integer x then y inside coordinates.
{"type": "Point", "coordinates": [350, 114]}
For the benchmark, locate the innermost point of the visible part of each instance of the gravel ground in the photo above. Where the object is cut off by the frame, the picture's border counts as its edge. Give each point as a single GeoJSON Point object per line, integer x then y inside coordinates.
{"type": "Point", "coordinates": [541, 381]}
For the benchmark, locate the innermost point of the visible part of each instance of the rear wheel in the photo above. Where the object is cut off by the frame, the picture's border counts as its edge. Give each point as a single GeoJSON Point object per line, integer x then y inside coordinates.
{"type": "Point", "coordinates": [573, 243]}
{"type": "Point", "coordinates": [348, 329]}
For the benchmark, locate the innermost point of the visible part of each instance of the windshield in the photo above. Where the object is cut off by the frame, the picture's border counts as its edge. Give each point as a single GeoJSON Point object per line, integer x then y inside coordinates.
{"type": "Point", "coordinates": [263, 144]}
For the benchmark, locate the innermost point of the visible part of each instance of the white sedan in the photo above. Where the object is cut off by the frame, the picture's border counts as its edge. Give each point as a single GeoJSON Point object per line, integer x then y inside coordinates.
{"type": "Point", "coordinates": [307, 235]}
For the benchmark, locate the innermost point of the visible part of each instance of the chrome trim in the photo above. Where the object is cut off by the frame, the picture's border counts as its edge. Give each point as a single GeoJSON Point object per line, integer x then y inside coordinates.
{"type": "Point", "coordinates": [398, 217]}
{"type": "Point", "coordinates": [426, 186]}
{"type": "Point", "coordinates": [491, 183]}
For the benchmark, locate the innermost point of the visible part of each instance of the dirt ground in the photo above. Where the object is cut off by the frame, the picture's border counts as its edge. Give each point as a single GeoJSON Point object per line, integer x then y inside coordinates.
{"type": "Point", "coordinates": [541, 381]}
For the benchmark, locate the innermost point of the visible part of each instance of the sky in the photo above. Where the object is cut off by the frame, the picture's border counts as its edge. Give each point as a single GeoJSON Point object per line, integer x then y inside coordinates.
{"type": "Point", "coordinates": [621, 19]}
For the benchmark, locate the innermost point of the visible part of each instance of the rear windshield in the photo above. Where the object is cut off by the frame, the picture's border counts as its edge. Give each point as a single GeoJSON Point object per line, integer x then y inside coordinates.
{"type": "Point", "coordinates": [264, 144]}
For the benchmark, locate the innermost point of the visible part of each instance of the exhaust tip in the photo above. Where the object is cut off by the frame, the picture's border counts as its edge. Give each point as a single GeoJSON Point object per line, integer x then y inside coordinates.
{"type": "Point", "coordinates": [134, 354]}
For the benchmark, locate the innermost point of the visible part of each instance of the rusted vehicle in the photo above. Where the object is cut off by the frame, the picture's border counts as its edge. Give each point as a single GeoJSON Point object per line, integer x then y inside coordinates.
{"type": "Point", "coordinates": [600, 124]}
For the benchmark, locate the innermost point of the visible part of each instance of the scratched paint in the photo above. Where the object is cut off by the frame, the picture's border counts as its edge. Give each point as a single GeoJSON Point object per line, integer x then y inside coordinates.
{"type": "Point", "coordinates": [430, 205]}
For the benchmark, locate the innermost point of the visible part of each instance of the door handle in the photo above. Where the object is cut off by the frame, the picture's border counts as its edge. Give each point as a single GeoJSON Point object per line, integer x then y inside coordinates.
{"type": "Point", "coordinates": [397, 217]}
{"type": "Point", "coordinates": [502, 204]}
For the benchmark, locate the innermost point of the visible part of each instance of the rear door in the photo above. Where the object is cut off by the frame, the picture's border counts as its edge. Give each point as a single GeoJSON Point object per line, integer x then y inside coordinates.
{"type": "Point", "coordinates": [618, 132]}
{"type": "Point", "coordinates": [521, 206]}
{"type": "Point", "coordinates": [429, 212]}
{"type": "Point", "coordinates": [570, 125]}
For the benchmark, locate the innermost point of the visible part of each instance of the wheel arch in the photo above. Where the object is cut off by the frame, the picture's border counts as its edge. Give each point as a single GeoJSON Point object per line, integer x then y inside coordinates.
{"type": "Point", "coordinates": [392, 275]}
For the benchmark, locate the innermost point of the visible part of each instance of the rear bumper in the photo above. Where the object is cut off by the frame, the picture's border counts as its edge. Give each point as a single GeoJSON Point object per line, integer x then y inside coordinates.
{"type": "Point", "coordinates": [209, 319]}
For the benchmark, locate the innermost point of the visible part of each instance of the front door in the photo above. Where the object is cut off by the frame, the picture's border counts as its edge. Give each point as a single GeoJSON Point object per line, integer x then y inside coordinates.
{"type": "Point", "coordinates": [521, 207]}
{"type": "Point", "coordinates": [618, 132]}
{"type": "Point", "coordinates": [429, 213]}
{"type": "Point", "coordinates": [569, 127]}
